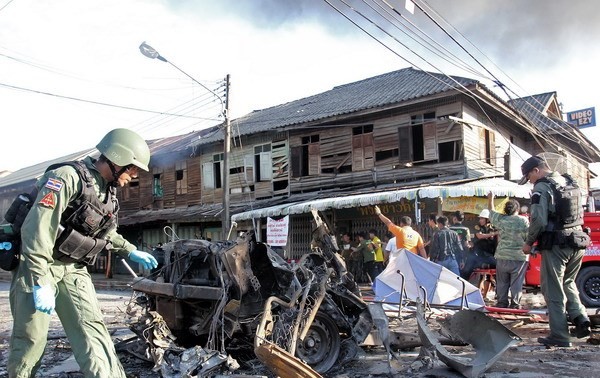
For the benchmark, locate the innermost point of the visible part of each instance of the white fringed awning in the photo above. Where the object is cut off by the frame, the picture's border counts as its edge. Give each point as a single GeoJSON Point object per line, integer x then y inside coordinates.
{"type": "Point", "coordinates": [479, 188]}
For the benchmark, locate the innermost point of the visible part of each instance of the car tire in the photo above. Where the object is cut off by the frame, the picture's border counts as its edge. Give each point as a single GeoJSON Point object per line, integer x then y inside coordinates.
{"type": "Point", "coordinates": [588, 284]}
{"type": "Point", "coordinates": [321, 346]}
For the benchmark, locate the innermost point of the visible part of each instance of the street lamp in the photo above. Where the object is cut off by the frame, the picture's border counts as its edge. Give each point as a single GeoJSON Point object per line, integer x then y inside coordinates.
{"type": "Point", "coordinates": [151, 53]}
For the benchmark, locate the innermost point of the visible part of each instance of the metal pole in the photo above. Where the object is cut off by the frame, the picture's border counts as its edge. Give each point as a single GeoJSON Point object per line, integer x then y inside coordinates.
{"type": "Point", "coordinates": [225, 218]}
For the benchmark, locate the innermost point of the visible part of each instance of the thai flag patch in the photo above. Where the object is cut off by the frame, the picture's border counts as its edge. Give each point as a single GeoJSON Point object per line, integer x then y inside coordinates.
{"type": "Point", "coordinates": [54, 184]}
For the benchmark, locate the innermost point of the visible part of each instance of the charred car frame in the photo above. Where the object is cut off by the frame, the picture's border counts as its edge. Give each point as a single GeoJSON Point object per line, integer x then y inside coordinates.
{"type": "Point", "coordinates": [243, 299]}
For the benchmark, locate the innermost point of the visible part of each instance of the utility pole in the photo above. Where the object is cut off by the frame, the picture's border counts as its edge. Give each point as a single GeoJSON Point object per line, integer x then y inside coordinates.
{"type": "Point", "coordinates": [151, 53]}
{"type": "Point", "coordinates": [225, 217]}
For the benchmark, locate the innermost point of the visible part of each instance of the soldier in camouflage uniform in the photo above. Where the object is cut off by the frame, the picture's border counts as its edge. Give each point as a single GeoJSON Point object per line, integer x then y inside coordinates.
{"type": "Point", "coordinates": [50, 278]}
{"type": "Point", "coordinates": [560, 262]}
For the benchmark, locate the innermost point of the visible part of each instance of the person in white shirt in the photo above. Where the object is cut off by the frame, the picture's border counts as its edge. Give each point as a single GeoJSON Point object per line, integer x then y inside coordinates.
{"type": "Point", "coordinates": [390, 248]}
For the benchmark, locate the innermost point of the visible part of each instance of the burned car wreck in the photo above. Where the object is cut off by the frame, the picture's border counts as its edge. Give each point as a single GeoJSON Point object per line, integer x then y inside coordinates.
{"type": "Point", "coordinates": [242, 300]}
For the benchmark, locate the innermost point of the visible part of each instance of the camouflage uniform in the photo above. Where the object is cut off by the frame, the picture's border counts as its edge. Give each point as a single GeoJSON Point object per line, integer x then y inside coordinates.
{"type": "Point", "coordinates": [511, 262]}
{"type": "Point", "coordinates": [560, 265]}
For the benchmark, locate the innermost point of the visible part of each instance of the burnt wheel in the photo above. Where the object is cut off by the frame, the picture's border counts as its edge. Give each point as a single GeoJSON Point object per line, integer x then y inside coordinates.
{"type": "Point", "coordinates": [588, 284]}
{"type": "Point", "coordinates": [321, 346]}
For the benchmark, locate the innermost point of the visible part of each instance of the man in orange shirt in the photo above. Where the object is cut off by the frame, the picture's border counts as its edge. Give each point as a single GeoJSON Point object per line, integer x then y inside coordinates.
{"type": "Point", "coordinates": [406, 237]}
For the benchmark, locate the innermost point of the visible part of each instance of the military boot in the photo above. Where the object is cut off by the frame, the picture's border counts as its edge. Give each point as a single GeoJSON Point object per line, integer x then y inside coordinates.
{"type": "Point", "coordinates": [582, 327]}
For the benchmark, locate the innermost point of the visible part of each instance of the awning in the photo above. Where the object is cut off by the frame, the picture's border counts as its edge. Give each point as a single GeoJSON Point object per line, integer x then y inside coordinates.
{"type": "Point", "coordinates": [358, 200]}
{"type": "Point", "coordinates": [479, 188]}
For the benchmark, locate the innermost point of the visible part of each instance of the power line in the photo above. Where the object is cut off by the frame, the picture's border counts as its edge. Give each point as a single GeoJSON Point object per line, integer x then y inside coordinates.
{"type": "Point", "coordinates": [459, 45]}
{"type": "Point", "coordinates": [41, 66]}
{"type": "Point", "coordinates": [432, 44]}
{"type": "Point", "coordinates": [98, 102]}
{"type": "Point", "coordinates": [459, 87]}
{"type": "Point", "coordinates": [201, 104]}
{"type": "Point", "coordinates": [569, 130]}
{"type": "Point", "coordinates": [5, 5]}
{"type": "Point", "coordinates": [534, 130]}
{"type": "Point", "coordinates": [204, 103]}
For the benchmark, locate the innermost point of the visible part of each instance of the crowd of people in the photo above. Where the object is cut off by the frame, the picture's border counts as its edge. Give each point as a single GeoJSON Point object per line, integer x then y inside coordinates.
{"type": "Point", "coordinates": [495, 242]}
{"type": "Point", "coordinates": [503, 241]}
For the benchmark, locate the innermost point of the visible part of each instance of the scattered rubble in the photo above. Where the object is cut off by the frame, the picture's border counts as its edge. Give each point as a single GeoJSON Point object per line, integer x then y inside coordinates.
{"type": "Point", "coordinates": [238, 310]}
{"type": "Point", "coordinates": [301, 319]}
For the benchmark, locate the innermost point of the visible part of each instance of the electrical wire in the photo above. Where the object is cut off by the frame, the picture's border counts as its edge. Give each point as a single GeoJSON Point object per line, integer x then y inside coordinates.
{"type": "Point", "coordinates": [203, 104]}
{"type": "Point", "coordinates": [5, 5]}
{"type": "Point", "coordinates": [559, 125]}
{"type": "Point", "coordinates": [41, 66]}
{"type": "Point", "coordinates": [460, 88]}
{"type": "Point", "coordinates": [533, 129]}
{"type": "Point", "coordinates": [14, 87]}
{"type": "Point", "coordinates": [496, 80]}
{"type": "Point", "coordinates": [414, 33]}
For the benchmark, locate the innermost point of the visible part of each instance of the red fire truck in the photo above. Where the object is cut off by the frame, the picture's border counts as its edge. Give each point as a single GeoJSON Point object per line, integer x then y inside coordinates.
{"type": "Point", "coordinates": [588, 279]}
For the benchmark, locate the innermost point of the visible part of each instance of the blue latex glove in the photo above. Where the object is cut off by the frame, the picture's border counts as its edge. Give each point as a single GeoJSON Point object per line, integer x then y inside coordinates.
{"type": "Point", "coordinates": [147, 260]}
{"type": "Point", "coordinates": [43, 298]}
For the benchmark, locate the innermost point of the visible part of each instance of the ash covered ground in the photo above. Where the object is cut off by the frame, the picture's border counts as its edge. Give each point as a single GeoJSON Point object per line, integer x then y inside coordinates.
{"type": "Point", "coordinates": [526, 359]}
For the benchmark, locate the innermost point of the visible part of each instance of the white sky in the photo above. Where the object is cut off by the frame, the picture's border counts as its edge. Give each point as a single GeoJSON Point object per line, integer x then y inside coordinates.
{"type": "Point", "coordinates": [275, 51]}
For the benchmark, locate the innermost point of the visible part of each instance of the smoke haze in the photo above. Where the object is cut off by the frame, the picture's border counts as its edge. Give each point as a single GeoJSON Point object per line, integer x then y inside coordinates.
{"type": "Point", "coordinates": [517, 33]}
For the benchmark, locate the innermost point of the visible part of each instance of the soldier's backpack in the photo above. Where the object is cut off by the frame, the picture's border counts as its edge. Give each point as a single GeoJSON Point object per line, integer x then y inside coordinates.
{"type": "Point", "coordinates": [568, 214]}
{"type": "Point", "coordinates": [10, 234]}
{"type": "Point", "coordinates": [568, 203]}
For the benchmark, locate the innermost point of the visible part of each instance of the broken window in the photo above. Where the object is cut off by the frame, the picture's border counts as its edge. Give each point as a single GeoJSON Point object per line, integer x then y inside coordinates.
{"type": "Point", "coordinates": [487, 146]}
{"type": "Point", "coordinates": [450, 151]}
{"type": "Point", "coordinates": [362, 147]}
{"type": "Point", "coordinates": [157, 189]}
{"type": "Point", "coordinates": [262, 163]}
{"type": "Point", "coordinates": [212, 172]}
{"type": "Point", "coordinates": [242, 176]}
{"type": "Point", "coordinates": [418, 141]}
{"type": "Point", "coordinates": [306, 158]}
{"type": "Point", "coordinates": [181, 182]}
{"type": "Point", "coordinates": [386, 154]}
{"type": "Point", "coordinates": [130, 191]}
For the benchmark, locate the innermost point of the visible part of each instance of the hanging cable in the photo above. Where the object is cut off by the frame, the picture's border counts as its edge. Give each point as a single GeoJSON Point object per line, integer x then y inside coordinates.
{"type": "Point", "coordinates": [431, 44]}
{"type": "Point", "coordinates": [94, 102]}
{"type": "Point", "coordinates": [559, 125]}
{"type": "Point", "coordinates": [533, 129]}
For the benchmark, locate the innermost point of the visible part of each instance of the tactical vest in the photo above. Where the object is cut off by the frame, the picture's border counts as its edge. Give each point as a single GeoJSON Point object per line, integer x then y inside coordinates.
{"type": "Point", "coordinates": [568, 206]}
{"type": "Point", "coordinates": [86, 221]}
{"type": "Point", "coordinates": [83, 225]}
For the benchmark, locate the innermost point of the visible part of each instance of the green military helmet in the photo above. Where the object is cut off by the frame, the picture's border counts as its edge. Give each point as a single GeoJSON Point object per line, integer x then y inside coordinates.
{"type": "Point", "coordinates": [124, 147]}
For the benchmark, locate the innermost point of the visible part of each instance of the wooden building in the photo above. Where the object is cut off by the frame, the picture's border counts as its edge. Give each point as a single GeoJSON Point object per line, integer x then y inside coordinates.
{"type": "Point", "coordinates": [401, 130]}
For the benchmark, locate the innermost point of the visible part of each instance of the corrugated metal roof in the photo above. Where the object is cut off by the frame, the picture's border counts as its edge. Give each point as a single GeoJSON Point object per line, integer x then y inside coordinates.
{"type": "Point", "coordinates": [534, 108]}
{"type": "Point", "coordinates": [480, 188]}
{"type": "Point", "coordinates": [36, 171]}
{"type": "Point", "coordinates": [178, 143]}
{"type": "Point", "coordinates": [534, 104]}
{"type": "Point", "coordinates": [375, 92]}
{"type": "Point", "coordinates": [157, 147]}
{"type": "Point", "coordinates": [178, 214]}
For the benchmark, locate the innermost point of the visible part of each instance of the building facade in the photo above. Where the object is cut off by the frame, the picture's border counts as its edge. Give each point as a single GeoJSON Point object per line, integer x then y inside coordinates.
{"type": "Point", "coordinates": [404, 130]}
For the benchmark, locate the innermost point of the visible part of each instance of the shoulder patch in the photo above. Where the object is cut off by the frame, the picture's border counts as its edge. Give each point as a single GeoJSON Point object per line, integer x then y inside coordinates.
{"type": "Point", "coordinates": [535, 197]}
{"type": "Point", "coordinates": [48, 200]}
{"type": "Point", "coordinates": [54, 184]}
